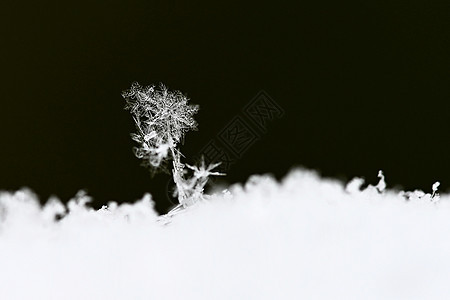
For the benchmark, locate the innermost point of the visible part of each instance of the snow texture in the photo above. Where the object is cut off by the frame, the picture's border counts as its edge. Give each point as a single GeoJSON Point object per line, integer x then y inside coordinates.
{"type": "Point", "coordinates": [305, 237]}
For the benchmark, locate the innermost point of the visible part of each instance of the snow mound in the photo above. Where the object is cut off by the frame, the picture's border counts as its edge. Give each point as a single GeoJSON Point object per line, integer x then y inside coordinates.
{"type": "Point", "coordinates": [302, 238]}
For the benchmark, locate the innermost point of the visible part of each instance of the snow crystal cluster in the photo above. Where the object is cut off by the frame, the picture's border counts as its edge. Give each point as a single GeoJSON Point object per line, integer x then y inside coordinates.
{"type": "Point", "coordinates": [304, 237]}
{"type": "Point", "coordinates": [162, 117]}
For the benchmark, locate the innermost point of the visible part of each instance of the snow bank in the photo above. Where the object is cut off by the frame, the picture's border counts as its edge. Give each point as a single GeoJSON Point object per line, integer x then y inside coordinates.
{"type": "Point", "coordinates": [302, 238]}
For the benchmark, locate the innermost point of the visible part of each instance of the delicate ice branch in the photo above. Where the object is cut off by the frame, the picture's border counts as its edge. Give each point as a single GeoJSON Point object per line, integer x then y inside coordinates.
{"type": "Point", "coordinates": [162, 117]}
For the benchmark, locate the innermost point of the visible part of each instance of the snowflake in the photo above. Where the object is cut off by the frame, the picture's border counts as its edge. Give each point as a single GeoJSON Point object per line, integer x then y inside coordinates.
{"type": "Point", "coordinates": [162, 117]}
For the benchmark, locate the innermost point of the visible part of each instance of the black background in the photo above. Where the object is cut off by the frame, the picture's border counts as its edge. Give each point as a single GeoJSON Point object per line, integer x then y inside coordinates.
{"type": "Point", "coordinates": [364, 86]}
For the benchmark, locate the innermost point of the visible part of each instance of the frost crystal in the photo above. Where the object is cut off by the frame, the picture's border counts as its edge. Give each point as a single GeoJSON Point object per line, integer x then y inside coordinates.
{"type": "Point", "coordinates": [162, 117]}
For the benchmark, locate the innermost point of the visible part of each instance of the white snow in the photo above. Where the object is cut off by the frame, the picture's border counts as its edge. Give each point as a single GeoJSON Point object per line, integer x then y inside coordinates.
{"type": "Point", "coordinates": [302, 238]}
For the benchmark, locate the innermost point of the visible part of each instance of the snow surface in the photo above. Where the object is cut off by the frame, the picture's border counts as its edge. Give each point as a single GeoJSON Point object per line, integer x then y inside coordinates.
{"type": "Point", "coordinates": [302, 238]}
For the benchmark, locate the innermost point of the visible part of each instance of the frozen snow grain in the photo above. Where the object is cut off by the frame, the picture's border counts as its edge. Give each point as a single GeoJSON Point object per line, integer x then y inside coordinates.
{"type": "Point", "coordinates": [302, 238]}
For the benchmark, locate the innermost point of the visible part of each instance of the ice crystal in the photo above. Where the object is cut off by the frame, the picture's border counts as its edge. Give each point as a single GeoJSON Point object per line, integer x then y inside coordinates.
{"type": "Point", "coordinates": [162, 118]}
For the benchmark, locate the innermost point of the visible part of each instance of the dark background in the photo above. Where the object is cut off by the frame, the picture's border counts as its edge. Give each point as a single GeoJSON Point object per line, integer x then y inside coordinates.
{"type": "Point", "coordinates": [364, 86]}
